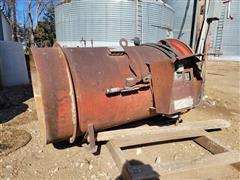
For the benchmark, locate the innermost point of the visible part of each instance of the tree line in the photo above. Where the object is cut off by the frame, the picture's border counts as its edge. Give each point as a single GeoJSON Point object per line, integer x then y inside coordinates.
{"type": "Point", "coordinates": [37, 24]}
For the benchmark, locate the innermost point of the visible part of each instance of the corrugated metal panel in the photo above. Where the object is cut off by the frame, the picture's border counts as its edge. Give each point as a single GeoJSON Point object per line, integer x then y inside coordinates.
{"type": "Point", "coordinates": [110, 20]}
{"type": "Point", "coordinates": [230, 44]}
{"type": "Point", "coordinates": [157, 21]}
{"type": "Point", "coordinates": [216, 11]}
{"type": "Point", "coordinates": [179, 6]}
{"type": "Point", "coordinates": [231, 32]}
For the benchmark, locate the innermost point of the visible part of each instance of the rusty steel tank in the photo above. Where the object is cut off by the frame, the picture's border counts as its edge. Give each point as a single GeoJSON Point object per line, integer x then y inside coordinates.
{"type": "Point", "coordinates": [106, 87]}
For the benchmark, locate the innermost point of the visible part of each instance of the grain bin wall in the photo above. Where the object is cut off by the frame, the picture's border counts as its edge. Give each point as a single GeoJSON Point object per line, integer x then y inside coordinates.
{"type": "Point", "coordinates": [231, 33]}
{"type": "Point", "coordinates": [157, 21]}
{"type": "Point", "coordinates": [179, 6]}
{"type": "Point", "coordinates": [104, 22]}
{"type": "Point", "coordinates": [225, 40]}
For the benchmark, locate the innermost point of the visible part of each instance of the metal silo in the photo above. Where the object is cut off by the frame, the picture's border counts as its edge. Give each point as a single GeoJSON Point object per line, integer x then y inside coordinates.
{"type": "Point", "coordinates": [179, 6]}
{"type": "Point", "coordinates": [231, 33]}
{"type": "Point", "coordinates": [224, 34]}
{"type": "Point", "coordinates": [157, 21]}
{"type": "Point", "coordinates": [104, 22]}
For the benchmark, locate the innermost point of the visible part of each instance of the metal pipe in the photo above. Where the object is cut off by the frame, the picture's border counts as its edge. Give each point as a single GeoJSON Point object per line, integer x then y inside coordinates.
{"type": "Point", "coordinates": [193, 26]}
{"type": "Point", "coordinates": [184, 19]}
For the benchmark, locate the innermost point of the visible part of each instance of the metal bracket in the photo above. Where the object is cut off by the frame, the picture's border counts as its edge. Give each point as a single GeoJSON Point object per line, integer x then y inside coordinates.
{"type": "Point", "coordinates": [161, 93]}
{"type": "Point", "coordinates": [116, 51]}
{"type": "Point", "coordinates": [91, 138]}
{"type": "Point", "coordinates": [125, 89]}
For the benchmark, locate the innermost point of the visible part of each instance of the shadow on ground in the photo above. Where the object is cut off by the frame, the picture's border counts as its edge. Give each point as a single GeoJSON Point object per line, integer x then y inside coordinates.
{"type": "Point", "coordinates": [12, 140]}
{"type": "Point", "coordinates": [153, 121]}
{"type": "Point", "coordinates": [12, 102]}
{"type": "Point", "coordinates": [135, 169]}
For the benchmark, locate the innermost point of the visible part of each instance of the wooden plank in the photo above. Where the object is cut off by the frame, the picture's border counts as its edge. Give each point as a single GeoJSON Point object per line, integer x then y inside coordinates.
{"type": "Point", "coordinates": [116, 153]}
{"type": "Point", "coordinates": [155, 130]}
{"type": "Point", "coordinates": [159, 137]}
{"type": "Point", "coordinates": [204, 173]}
{"type": "Point", "coordinates": [210, 144]}
{"type": "Point", "coordinates": [213, 146]}
{"type": "Point", "coordinates": [128, 171]}
{"type": "Point", "coordinates": [118, 157]}
{"type": "Point", "coordinates": [195, 131]}
{"type": "Point", "coordinates": [221, 159]}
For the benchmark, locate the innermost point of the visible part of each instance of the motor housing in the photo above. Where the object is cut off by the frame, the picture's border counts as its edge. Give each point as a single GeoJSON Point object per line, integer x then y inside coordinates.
{"type": "Point", "coordinates": [106, 87]}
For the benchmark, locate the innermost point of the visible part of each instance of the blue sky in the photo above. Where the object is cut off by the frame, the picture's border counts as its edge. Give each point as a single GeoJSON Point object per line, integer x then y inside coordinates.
{"type": "Point", "coordinates": [21, 6]}
{"type": "Point", "coordinates": [21, 10]}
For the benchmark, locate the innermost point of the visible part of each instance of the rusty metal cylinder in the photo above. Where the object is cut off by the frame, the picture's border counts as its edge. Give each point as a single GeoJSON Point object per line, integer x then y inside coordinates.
{"type": "Point", "coordinates": [105, 87]}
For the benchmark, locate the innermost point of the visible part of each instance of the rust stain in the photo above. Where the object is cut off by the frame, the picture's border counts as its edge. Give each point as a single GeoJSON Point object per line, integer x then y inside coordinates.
{"type": "Point", "coordinates": [82, 86]}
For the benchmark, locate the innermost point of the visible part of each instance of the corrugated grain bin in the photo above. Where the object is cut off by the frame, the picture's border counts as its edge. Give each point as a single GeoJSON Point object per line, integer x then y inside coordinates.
{"type": "Point", "coordinates": [99, 23]}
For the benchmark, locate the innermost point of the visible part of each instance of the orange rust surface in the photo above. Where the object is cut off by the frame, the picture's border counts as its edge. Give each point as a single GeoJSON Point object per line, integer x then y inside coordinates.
{"type": "Point", "coordinates": [94, 70]}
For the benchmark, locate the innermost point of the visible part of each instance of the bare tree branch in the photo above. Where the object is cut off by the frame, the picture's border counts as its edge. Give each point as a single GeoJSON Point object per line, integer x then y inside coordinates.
{"type": "Point", "coordinates": [37, 7]}
{"type": "Point", "coordinates": [14, 20]}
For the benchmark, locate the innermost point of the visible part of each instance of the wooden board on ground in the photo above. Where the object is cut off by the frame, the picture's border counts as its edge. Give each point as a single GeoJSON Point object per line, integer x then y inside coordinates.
{"type": "Point", "coordinates": [221, 156]}
{"type": "Point", "coordinates": [154, 130]}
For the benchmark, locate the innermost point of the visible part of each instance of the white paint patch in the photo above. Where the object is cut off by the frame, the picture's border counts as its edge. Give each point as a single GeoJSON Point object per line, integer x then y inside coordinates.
{"type": "Point", "coordinates": [183, 103]}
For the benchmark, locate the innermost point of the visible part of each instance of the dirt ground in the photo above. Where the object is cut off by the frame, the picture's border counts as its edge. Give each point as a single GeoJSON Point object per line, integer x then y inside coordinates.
{"type": "Point", "coordinates": [37, 161]}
